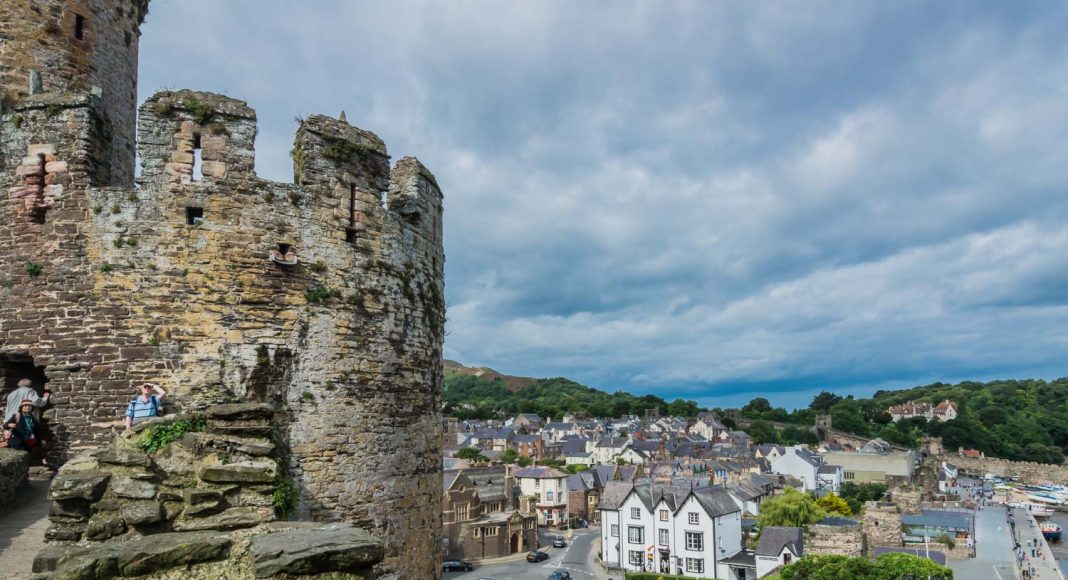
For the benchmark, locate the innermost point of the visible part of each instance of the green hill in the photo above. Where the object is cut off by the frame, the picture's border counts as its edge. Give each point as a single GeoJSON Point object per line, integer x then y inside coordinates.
{"type": "Point", "coordinates": [483, 393]}
{"type": "Point", "coordinates": [1024, 420]}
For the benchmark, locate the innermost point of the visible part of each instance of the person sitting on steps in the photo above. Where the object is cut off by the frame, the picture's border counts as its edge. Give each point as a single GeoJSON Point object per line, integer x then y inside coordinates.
{"type": "Point", "coordinates": [145, 406]}
{"type": "Point", "coordinates": [23, 392]}
{"type": "Point", "coordinates": [26, 433]}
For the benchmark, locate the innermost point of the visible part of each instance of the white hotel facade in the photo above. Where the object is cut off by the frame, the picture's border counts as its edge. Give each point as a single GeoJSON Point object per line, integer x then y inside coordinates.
{"type": "Point", "coordinates": [669, 529]}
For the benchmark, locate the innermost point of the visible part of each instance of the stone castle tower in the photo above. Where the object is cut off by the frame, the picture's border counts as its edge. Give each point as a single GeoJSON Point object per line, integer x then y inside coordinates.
{"type": "Point", "coordinates": [323, 297]}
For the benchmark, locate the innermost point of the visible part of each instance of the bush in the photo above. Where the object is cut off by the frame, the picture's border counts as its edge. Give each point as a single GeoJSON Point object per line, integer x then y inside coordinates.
{"type": "Point", "coordinates": [286, 495]}
{"type": "Point", "coordinates": [157, 437]}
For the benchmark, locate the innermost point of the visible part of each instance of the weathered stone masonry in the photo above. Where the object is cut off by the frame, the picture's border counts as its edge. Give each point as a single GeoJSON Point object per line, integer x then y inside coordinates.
{"type": "Point", "coordinates": [102, 287]}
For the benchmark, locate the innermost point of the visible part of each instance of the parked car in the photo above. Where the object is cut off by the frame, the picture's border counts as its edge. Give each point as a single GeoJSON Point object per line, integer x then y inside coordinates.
{"type": "Point", "coordinates": [560, 574]}
{"type": "Point", "coordinates": [457, 566]}
{"type": "Point", "coordinates": [537, 556]}
{"type": "Point", "coordinates": [559, 542]}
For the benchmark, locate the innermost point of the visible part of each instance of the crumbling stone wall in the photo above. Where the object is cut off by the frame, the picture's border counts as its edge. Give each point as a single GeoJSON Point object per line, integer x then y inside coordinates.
{"type": "Point", "coordinates": [834, 540]}
{"type": "Point", "coordinates": [14, 468]}
{"type": "Point", "coordinates": [882, 525]}
{"type": "Point", "coordinates": [323, 298]}
{"type": "Point", "coordinates": [1024, 471]}
{"type": "Point", "coordinates": [175, 282]}
{"type": "Point", "coordinates": [40, 38]}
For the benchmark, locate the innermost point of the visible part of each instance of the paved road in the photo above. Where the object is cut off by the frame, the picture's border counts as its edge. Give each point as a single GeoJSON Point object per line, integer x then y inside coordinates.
{"type": "Point", "coordinates": [577, 558]}
{"type": "Point", "coordinates": [993, 548]}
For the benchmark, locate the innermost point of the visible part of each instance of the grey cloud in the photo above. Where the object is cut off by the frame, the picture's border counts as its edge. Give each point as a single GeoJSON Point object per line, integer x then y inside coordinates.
{"type": "Point", "coordinates": [696, 198]}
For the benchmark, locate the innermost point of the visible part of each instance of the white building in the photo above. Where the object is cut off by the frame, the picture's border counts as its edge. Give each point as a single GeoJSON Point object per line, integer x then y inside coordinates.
{"type": "Point", "coordinates": [550, 488]}
{"type": "Point", "coordinates": [608, 449]}
{"type": "Point", "coordinates": [669, 529]}
{"type": "Point", "coordinates": [805, 465]}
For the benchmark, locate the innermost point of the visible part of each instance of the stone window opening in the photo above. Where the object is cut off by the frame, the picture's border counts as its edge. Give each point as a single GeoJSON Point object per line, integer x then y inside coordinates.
{"type": "Point", "coordinates": [79, 27]}
{"type": "Point", "coordinates": [37, 214]}
{"type": "Point", "coordinates": [284, 255]}
{"type": "Point", "coordinates": [354, 218]}
{"type": "Point", "coordinates": [194, 216]}
{"type": "Point", "coordinates": [198, 162]}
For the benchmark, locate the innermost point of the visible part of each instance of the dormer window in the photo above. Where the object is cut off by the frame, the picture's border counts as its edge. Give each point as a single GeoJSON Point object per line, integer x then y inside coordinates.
{"type": "Point", "coordinates": [79, 27]}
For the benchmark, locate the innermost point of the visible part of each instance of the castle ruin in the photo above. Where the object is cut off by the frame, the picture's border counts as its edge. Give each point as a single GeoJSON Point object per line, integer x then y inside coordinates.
{"type": "Point", "coordinates": [323, 298]}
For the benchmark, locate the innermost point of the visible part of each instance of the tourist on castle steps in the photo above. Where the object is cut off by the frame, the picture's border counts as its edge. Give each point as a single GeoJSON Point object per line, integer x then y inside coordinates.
{"type": "Point", "coordinates": [25, 391]}
{"type": "Point", "coordinates": [146, 405]}
{"type": "Point", "coordinates": [24, 432]}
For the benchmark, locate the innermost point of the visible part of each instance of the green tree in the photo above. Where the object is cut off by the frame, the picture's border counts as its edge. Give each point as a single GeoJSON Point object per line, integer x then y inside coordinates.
{"type": "Point", "coordinates": [757, 406]}
{"type": "Point", "coordinates": [762, 432]}
{"type": "Point", "coordinates": [856, 494]}
{"type": "Point", "coordinates": [471, 454]}
{"type": "Point", "coordinates": [886, 566]}
{"type": "Point", "coordinates": [824, 401]}
{"type": "Point", "coordinates": [792, 508]}
{"type": "Point", "coordinates": [524, 461]}
{"type": "Point", "coordinates": [508, 456]}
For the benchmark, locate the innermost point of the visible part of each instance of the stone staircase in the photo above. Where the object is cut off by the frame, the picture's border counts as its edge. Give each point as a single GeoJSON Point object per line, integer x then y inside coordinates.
{"type": "Point", "coordinates": [206, 499]}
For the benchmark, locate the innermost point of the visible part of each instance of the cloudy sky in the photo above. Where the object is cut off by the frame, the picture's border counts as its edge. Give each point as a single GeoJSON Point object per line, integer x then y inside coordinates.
{"type": "Point", "coordinates": [710, 200]}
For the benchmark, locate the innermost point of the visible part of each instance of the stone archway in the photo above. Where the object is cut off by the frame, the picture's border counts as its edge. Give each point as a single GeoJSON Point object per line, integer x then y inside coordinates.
{"type": "Point", "coordinates": [517, 543]}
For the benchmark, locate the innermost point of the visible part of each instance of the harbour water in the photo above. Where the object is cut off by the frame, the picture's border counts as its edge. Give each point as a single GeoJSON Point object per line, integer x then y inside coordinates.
{"type": "Point", "coordinates": [1060, 548]}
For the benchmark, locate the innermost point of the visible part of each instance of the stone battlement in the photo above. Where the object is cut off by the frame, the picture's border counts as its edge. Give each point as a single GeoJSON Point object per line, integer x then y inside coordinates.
{"type": "Point", "coordinates": [323, 298]}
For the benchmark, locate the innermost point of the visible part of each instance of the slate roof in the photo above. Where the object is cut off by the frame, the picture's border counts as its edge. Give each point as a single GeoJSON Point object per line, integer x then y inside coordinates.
{"type": "Point", "coordinates": [774, 538]}
{"type": "Point", "coordinates": [559, 427]}
{"type": "Point", "coordinates": [574, 446]}
{"type": "Point", "coordinates": [714, 499]}
{"type": "Point", "coordinates": [645, 445]}
{"type": "Point", "coordinates": [938, 519]}
{"type": "Point", "coordinates": [524, 438]}
{"type": "Point", "coordinates": [829, 469]}
{"type": "Point", "coordinates": [449, 478]}
{"type": "Point", "coordinates": [489, 481]}
{"type": "Point", "coordinates": [538, 472]}
{"type": "Point", "coordinates": [766, 448]}
{"type": "Point", "coordinates": [612, 442]}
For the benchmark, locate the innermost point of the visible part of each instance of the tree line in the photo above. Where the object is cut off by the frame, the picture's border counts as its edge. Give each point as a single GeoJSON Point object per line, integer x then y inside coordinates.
{"type": "Point", "coordinates": [1022, 420]}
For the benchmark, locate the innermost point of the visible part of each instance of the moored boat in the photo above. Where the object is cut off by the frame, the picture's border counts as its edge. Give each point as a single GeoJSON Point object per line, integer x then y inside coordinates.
{"type": "Point", "coordinates": [1051, 531]}
{"type": "Point", "coordinates": [1039, 511]}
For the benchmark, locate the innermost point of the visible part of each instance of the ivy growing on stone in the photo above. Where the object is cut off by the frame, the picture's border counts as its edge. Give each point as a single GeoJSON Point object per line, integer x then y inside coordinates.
{"type": "Point", "coordinates": [34, 269]}
{"type": "Point", "coordinates": [160, 436]}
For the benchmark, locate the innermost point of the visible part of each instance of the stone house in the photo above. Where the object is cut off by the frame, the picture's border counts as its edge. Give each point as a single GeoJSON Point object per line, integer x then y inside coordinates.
{"type": "Point", "coordinates": [944, 411]}
{"type": "Point", "coordinates": [480, 515]}
{"type": "Point", "coordinates": [529, 446]}
{"type": "Point", "coordinates": [529, 421]}
{"type": "Point", "coordinates": [708, 426]}
{"type": "Point", "coordinates": [584, 494]}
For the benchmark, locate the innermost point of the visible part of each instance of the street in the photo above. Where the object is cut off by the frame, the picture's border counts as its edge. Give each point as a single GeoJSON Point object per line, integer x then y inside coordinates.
{"type": "Point", "coordinates": [577, 558]}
